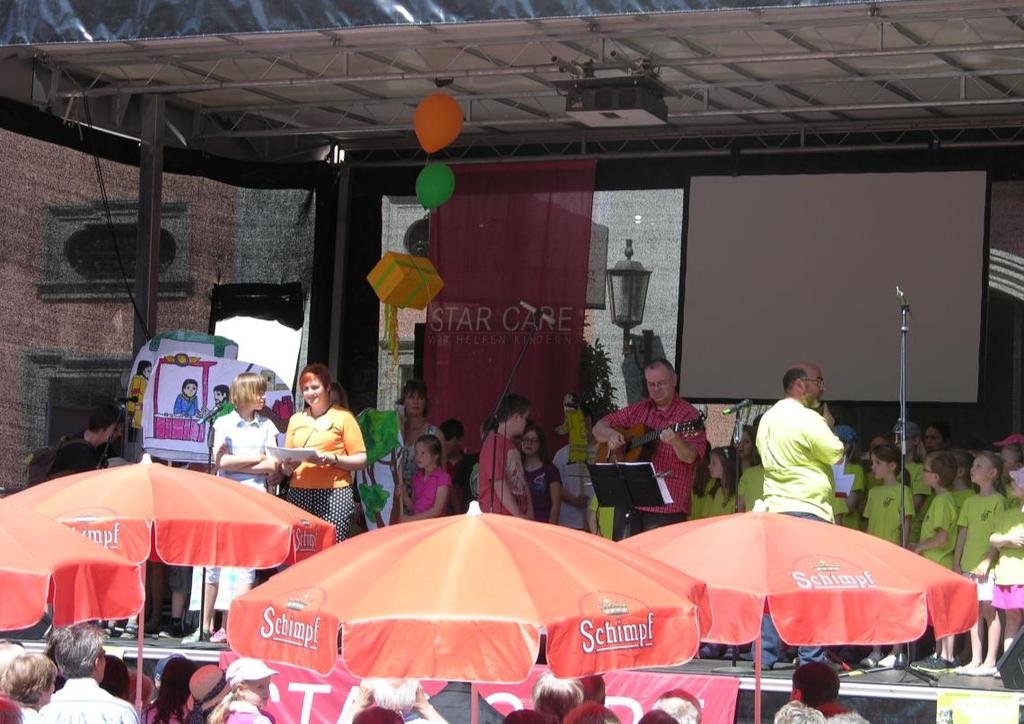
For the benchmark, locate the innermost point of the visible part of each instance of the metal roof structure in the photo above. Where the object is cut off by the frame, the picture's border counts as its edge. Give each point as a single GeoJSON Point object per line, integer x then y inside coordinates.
{"type": "Point", "coordinates": [787, 78]}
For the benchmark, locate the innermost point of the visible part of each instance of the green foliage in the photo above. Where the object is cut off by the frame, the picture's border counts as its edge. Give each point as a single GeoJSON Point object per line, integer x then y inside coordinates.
{"type": "Point", "coordinates": [596, 390]}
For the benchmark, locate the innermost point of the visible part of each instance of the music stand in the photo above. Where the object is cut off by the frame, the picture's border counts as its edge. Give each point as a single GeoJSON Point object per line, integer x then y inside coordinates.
{"type": "Point", "coordinates": [625, 486]}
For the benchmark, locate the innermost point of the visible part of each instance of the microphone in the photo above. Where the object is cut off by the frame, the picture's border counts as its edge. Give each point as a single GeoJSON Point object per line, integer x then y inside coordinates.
{"type": "Point", "coordinates": [738, 406]}
{"type": "Point", "coordinates": [123, 400]}
{"type": "Point", "coordinates": [537, 313]}
{"type": "Point", "coordinates": [902, 298]}
{"type": "Point", "coordinates": [213, 413]}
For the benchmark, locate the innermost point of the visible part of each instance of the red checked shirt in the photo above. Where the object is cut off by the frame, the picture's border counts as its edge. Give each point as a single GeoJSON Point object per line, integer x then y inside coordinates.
{"type": "Point", "coordinates": [679, 479]}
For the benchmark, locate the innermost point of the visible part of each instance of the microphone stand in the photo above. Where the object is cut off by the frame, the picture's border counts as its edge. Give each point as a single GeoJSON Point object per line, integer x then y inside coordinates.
{"type": "Point", "coordinates": [208, 421]}
{"type": "Point", "coordinates": [737, 437]}
{"type": "Point", "coordinates": [904, 650]}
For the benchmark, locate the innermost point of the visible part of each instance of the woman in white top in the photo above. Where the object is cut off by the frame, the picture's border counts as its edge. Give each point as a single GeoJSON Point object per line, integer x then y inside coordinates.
{"type": "Point", "coordinates": [240, 439]}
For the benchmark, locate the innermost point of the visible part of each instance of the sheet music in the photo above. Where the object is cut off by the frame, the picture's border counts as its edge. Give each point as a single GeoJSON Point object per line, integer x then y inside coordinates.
{"type": "Point", "coordinates": [663, 487]}
{"type": "Point", "coordinates": [844, 480]}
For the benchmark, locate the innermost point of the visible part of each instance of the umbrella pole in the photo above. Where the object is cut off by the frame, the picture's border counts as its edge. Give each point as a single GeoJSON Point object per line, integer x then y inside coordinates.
{"type": "Point", "coordinates": [757, 679]}
{"type": "Point", "coordinates": [474, 708]}
{"type": "Point", "coordinates": [138, 645]}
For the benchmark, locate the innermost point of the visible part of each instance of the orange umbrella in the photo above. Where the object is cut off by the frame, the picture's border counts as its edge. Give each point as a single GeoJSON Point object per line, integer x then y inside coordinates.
{"type": "Point", "coordinates": [179, 516]}
{"type": "Point", "coordinates": [822, 584]}
{"type": "Point", "coordinates": [42, 561]}
{"type": "Point", "coordinates": [466, 598]}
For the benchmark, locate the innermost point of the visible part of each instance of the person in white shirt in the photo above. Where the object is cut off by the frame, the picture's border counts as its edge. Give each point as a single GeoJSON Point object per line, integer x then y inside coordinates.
{"type": "Point", "coordinates": [78, 652]}
{"type": "Point", "coordinates": [576, 486]}
{"type": "Point", "coordinates": [240, 438]}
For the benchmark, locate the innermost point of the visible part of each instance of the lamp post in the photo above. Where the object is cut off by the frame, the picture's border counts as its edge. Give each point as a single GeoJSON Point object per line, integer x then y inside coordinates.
{"type": "Point", "coordinates": [627, 296]}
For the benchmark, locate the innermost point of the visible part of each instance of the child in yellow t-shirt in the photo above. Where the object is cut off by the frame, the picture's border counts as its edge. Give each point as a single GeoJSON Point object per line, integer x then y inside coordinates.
{"type": "Point", "coordinates": [721, 499]}
{"type": "Point", "coordinates": [962, 488]}
{"type": "Point", "coordinates": [974, 555]}
{"type": "Point", "coordinates": [883, 506]}
{"type": "Point", "coordinates": [938, 539]}
{"type": "Point", "coordinates": [883, 514]}
{"type": "Point", "coordinates": [1008, 593]}
{"type": "Point", "coordinates": [750, 488]}
{"type": "Point", "coordinates": [718, 493]}
{"type": "Point", "coordinates": [847, 510]}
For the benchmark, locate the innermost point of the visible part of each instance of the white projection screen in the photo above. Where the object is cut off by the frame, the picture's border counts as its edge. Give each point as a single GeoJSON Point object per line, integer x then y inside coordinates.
{"type": "Point", "coordinates": [805, 267]}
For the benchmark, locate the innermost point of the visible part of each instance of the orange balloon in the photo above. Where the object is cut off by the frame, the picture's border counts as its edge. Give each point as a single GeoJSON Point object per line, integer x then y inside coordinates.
{"type": "Point", "coordinates": [438, 121]}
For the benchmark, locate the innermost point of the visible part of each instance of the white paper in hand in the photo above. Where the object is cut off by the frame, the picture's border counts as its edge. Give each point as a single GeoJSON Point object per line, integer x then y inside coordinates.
{"type": "Point", "coordinates": [844, 480]}
{"type": "Point", "coordinates": [293, 455]}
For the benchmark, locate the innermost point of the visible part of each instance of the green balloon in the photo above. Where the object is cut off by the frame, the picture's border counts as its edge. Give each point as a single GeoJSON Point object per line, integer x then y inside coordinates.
{"type": "Point", "coordinates": [434, 185]}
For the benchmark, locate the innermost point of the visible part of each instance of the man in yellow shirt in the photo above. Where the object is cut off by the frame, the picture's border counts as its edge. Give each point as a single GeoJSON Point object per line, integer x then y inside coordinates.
{"type": "Point", "coordinates": [798, 449]}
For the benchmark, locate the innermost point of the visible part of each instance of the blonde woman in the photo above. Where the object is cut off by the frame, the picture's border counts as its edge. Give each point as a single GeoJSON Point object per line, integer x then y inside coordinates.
{"type": "Point", "coordinates": [240, 439]}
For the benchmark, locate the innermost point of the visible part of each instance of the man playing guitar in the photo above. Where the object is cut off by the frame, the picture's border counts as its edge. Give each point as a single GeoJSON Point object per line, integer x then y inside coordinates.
{"type": "Point", "coordinates": [676, 455]}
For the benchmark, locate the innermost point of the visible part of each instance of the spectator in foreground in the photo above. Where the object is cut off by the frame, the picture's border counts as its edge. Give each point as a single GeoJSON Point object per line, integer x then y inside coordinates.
{"type": "Point", "coordinates": [590, 712]}
{"type": "Point", "coordinates": [171, 705]}
{"type": "Point", "coordinates": [248, 692]}
{"type": "Point", "coordinates": [9, 651]}
{"type": "Point", "coordinates": [817, 685]}
{"type": "Point", "coordinates": [556, 697]}
{"type": "Point", "coordinates": [116, 678]}
{"type": "Point", "coordinates": [377, 715]}
{"type": "Point", "coordinates": [528, 716]}
{"type": "Point", "coordinates": [402, 696]}
{"type": "Point", "coordinates": [796, 712]}
{"type": "Point", "coordinates": [78, 652]}
{"type": "Point", "coordinates": [656, 716]}
{"type": "Point", "coordinates": [681, 705]}
{"type": "Point", "coordinates": [593, 688]}
{"type": "Point", "coordinates": [207, 687]}
{"type": "Point", "coordinates": [29, 681]}
{"type": "Point", "coordinates": [10, 713]}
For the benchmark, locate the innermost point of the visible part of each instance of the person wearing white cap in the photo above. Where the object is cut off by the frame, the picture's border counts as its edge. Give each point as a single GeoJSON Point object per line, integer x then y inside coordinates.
{"type": "Point", "coordinates": [248, 683]}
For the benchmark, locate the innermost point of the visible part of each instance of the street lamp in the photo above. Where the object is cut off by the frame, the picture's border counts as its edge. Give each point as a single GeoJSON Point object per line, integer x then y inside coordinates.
{"type": "Point", "coordinates": [627, 294]}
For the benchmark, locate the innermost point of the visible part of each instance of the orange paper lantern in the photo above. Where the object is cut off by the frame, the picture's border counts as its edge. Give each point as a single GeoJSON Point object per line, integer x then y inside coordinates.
{"type": "Point", "coordinates": [405, 281]}
{"type": "Point", "coordinates": [438, 121]}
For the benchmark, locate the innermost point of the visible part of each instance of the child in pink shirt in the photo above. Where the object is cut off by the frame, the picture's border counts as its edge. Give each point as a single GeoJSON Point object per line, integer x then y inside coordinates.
{"type": "Point", "coordinates": [431, 485]}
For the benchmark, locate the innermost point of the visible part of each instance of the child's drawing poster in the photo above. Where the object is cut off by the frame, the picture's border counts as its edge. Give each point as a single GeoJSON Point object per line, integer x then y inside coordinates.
{"type": "Point", "coordinates": [186, 392]}
{"type": "Point", "coordinates": [160, 345]}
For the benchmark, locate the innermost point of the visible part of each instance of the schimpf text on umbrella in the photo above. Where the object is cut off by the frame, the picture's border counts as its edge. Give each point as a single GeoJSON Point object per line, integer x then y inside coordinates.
{"type": "Point", "coordinates": [614, 636]}
{"type": "Point", "coordinates": [106, 537]}
{"type": "Point", "coordinates": [288, 630]}
{"type": "Point", "coordinates": [834, 580]}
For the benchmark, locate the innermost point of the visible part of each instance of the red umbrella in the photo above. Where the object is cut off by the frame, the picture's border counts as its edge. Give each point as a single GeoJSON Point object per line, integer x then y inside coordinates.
{"type": "Point", "coordinates": [822, 584]}
{"type": "Point", "coordinates": [180, 517]}
{"type": "Point", "coordinates": [466, 598]}
{"type": "Point", "coordinates": [42, 561]}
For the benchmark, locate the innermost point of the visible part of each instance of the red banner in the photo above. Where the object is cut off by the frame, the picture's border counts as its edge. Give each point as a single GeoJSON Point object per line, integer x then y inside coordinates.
{"type": "Point", "coordinates": [299, 696]}
{"type": "Point", "coordinates": [512, 232]}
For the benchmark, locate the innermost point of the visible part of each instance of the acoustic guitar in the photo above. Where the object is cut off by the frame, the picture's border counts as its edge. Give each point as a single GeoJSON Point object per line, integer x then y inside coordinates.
{"type": "Point", "coordinates": [641, 441]}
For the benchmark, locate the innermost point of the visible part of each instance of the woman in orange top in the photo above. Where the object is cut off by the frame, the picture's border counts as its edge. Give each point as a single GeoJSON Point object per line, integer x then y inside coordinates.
{"type": "Point", "coordinates": [323, 486]}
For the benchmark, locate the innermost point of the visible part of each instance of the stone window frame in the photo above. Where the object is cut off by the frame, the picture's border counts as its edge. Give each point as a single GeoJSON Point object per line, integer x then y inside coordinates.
{"type": "Point", "coordinates": [61, 282]}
